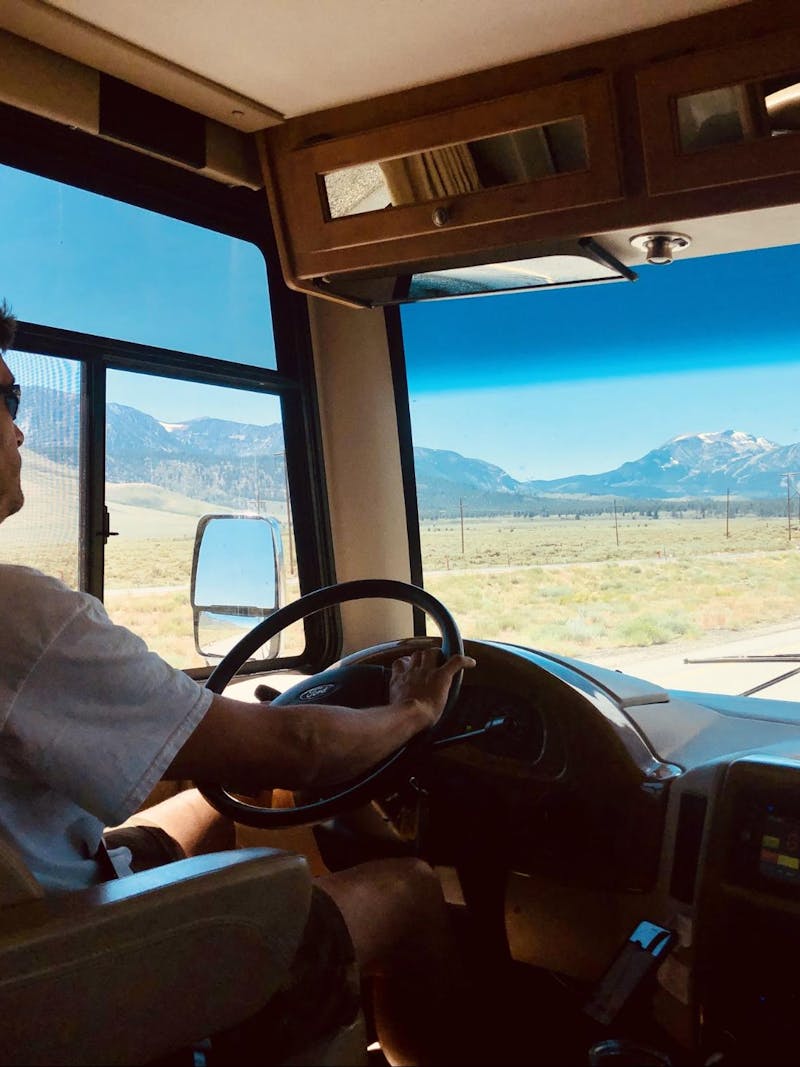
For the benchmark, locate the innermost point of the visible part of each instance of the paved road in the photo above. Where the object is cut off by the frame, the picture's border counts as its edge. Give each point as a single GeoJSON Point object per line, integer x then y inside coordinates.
{"type": "Point", "coordinates": [670, 669]}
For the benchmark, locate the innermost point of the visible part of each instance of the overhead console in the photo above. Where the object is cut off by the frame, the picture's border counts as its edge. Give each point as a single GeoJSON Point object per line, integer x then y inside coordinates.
{"type": "Point", "coordinates": [509, 178]}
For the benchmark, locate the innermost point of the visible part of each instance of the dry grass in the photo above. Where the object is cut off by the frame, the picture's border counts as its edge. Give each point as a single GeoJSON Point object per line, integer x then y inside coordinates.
{"type": "Point", "coordinates": [147, 590]}
{"type": "Point", "coordinates": [576, 609]}
{"type": "Point", "coordinates": [566, 585]}
{"type": "Point", "coordinates": [164, 619]}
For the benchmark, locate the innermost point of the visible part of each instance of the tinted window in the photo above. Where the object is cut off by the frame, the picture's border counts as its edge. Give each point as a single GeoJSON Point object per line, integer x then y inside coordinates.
{"type": "Point", "coordinates": [84, 262]}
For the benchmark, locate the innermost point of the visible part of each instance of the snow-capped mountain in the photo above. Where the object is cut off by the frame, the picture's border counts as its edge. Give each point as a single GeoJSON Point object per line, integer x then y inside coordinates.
{"type": "Point", "coordinates": [702, 464]}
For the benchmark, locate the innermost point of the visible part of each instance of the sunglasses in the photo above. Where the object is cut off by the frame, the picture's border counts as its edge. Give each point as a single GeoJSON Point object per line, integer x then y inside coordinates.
{"type": "Point", "coordinates": [11, 394]}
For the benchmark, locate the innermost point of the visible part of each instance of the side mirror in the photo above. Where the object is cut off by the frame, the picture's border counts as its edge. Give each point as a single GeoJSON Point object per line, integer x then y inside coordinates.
{"type": "Point", "coordinates": [237, 580]}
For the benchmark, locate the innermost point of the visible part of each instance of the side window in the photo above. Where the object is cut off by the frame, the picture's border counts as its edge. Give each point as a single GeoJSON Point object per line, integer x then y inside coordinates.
{"type": "Point", "coordinates": [158, 350]}
{"type": "Point", "coordinates": [176, 451]}
{"type": "Point", "coordinates": [92, 265]}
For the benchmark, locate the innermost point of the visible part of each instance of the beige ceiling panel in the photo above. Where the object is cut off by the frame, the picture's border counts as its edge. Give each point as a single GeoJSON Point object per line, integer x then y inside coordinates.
{"type": "Point", "coordinates": [62, 32]}
{"type": "Point", "coordinates": [299, 56]}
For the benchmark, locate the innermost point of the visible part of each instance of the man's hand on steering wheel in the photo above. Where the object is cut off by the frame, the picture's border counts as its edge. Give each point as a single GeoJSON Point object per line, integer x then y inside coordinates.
{"type": "Point", "coordinates": [422, 679]}
{"type": "Point", "coordinates": [423, 692]}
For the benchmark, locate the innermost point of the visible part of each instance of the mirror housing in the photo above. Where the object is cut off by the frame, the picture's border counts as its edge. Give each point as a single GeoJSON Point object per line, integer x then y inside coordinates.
{"type": "Point", "coordinates": [237, 581]}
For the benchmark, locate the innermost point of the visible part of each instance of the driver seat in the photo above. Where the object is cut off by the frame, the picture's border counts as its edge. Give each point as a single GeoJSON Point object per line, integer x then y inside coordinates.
{"type": "Point", "coordinates": [136, 970]}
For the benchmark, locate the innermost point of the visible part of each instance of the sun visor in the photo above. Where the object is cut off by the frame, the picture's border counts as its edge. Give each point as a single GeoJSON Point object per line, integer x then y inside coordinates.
{"type": "Point", "coordinates": [559, 264]}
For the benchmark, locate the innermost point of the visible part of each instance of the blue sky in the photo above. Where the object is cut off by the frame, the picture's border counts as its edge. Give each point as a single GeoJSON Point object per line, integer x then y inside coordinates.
{"type": "Point", "coordinates": [91, 264]}
{"type": "Point", "coordinates": [580, 380]}
{"type": "Point", "coordinates": [173, 401]}
{"type": "Point", "coordinates": [542, 384]}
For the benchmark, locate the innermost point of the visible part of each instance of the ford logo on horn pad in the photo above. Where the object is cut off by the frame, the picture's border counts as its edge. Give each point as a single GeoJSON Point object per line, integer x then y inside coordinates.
{"type": "Point", "coordinates": [317, 691]}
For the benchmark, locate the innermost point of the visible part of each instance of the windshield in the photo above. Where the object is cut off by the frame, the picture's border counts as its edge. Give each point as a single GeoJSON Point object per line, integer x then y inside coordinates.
{"type": "Point", "coordinates": [612, 473]}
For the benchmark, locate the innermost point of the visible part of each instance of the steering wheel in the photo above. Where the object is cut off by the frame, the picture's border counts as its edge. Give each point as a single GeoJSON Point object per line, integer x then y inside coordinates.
{"type": "Point", "coordinates": [352, 685]}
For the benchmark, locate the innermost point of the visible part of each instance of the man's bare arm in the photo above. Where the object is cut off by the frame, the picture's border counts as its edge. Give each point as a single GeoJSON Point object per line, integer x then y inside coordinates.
{"type": "Point", "coordinates": [252, 746]}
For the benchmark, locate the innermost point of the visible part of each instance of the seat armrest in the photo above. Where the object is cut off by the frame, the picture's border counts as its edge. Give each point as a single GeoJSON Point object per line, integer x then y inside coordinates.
{"type": "Point", "coordinates": [133, 969]}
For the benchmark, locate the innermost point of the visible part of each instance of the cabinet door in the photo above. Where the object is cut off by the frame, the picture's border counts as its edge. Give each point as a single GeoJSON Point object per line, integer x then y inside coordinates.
{"type": "Point", "coordinates": [724, 116]}
{"type": "Point", "coordinates": [544, 150]}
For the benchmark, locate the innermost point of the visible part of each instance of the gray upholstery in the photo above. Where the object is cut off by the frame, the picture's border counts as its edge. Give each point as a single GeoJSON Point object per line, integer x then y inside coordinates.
{"type": "Point", "coordinates": [133, 969]}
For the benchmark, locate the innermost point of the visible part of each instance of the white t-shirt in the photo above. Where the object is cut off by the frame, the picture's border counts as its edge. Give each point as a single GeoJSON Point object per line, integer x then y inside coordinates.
{"type": "Point", "coordinates": [89, 722]}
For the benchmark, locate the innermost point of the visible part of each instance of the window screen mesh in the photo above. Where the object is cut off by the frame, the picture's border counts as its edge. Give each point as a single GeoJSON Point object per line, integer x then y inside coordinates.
{"type": "Point", "coordinates": [45, 533]}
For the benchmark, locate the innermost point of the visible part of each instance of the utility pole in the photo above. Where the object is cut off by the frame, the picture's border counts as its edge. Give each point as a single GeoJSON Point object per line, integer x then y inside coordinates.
{"type": "Point", "coordinates": [461, 509]}
{"type": "Point", "coordinates": [616, 524]}
{"type": "Point", "coordinates": [789, 504]}
{"type": "Point", "coordinates": [727, 512]}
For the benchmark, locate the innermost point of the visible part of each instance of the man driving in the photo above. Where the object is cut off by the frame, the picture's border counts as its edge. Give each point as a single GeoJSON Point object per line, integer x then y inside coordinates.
{"type": "Point", "coordinates": [91, 721]}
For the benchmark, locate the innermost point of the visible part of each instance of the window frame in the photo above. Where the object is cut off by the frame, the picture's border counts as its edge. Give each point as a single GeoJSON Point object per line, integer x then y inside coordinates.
{"type": "Point", "coordinates": [45, 148]}
{"type": "Point", "coordinates": [402, 402]}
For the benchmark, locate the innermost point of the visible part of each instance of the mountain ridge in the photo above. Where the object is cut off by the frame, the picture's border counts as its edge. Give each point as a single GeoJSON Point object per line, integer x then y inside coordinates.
{"type": "Point", "coordinates": [242, 463]}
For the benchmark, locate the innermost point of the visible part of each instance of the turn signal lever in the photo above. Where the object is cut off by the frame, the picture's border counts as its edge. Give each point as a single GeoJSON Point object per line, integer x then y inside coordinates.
{"type": "Point", "coordinates": [503, 722]}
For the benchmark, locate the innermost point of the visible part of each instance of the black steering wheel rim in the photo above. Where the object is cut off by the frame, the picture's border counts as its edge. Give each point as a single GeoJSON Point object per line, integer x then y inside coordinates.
{"type": "Point", "coordinates": [365, 786]}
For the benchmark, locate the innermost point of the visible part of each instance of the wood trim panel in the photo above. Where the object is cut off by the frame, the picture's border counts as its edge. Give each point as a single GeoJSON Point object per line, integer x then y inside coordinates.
{"type": "Point", "coordinates": [314, 235]}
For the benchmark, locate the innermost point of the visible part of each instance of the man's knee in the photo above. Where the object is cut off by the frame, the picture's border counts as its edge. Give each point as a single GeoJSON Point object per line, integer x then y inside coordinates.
{"type": "Point", "coordinates": [320, 994]}
{"type": "Point", "coordinates": [392, 884]}
{"type": "Point", "coordinates": [413, 884]}
{"type": "Point", "coordinates": [394, 908]}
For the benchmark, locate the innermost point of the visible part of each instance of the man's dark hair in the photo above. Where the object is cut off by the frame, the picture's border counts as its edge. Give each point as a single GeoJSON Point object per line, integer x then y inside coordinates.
{"type": "Point", "coordinates": [8, 326]}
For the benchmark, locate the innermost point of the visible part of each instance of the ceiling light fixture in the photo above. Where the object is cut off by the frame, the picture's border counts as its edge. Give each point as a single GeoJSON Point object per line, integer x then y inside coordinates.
{"type": "Point", "coordinates": [660, 247]}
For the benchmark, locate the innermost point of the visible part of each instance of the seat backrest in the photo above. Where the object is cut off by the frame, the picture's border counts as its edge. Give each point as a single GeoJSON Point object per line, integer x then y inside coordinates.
{"type": "Point", "coordinates": [133, 970]}
{"type": "Point", "coordinates": [226, 928]}
{"type": "Point", "coordinates": [16, 881]}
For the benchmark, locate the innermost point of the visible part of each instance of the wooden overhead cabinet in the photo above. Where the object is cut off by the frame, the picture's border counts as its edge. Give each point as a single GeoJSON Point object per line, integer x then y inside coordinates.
{"type": "Point", "coordinates": [723, 116]}
{"type": "Point", "coordinates": [437, 185]}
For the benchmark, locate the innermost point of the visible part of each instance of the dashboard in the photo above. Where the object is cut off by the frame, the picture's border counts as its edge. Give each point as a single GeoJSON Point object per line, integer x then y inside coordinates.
{"type": "Point", "coordinates": [603, 801]}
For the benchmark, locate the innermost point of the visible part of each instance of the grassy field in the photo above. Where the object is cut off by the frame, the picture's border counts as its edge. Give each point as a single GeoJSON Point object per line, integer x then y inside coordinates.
{"type": "Point", "coordinates": [164, 619]}
{"type": "Point", "coordinates": [148, 564]}
{"type": "Point", "coordinates": [564, 584]}
{"type": "Point", "coordinates": [566, 589]}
